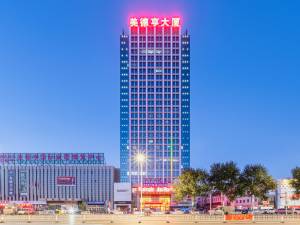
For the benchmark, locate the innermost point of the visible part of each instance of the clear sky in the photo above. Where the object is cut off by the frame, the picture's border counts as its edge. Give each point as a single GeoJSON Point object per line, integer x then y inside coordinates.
{"type": "Point", "coordinates": [59, 77]}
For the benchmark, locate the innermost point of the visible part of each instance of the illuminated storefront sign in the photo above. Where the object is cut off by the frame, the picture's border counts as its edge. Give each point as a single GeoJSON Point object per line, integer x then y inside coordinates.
{"type": "Point", "coordinates": [154, 190]}
{"type": "Point", "coordinates": [154, 22]}
{"type": "Point", "coordinates": [154, 197]}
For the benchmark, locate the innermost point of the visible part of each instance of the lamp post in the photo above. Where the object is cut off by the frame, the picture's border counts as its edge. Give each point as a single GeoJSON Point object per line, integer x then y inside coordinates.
{"type": "Point", "coordinates": [286, 203]}
{"type": "Point", "coordinates": [141, 158]}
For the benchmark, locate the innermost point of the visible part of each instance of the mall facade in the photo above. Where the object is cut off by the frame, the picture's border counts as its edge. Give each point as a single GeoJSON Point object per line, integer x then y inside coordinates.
{"type": "Point", "coordinates": [154, 99]}
{"type": "Point", "coordinates": [56, 178]}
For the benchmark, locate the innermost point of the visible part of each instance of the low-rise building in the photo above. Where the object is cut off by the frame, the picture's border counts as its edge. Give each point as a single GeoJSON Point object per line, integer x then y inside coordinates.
{"type": "Point", "coordinates": [56, 178]}
{"type": "Point", "coordinates": [218, 200]}
{"type": "Point", "coordinates": [285, 195]}
{"type": "Point", "coordinates": [122, 197]}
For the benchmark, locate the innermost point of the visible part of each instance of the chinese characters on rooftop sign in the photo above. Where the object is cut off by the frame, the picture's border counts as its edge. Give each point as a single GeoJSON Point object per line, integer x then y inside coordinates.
{"type": "Point", "coordinates": [154, 22]}
{"type": "Point", "coordinates": [52, 158]}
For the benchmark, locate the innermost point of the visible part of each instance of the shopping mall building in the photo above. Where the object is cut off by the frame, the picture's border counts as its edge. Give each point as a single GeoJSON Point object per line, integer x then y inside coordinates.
{"type": "Point", "coordinates": [56, 178]}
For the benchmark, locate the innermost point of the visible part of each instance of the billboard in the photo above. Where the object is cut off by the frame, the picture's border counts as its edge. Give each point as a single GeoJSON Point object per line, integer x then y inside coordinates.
{"type": "Point", "coordinates": [122, 192]}
{"type": "Point", "coordinates": [11, 176]}
{"type": "Point", "coordinates": [23, 183]}
{"type": "Point", "coordinates": [65, 181]}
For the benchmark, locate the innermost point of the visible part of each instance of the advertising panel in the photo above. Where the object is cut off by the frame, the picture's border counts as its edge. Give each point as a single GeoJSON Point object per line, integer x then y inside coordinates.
{"type": "Point", "coordinates": [11, 176]}
{"type": "Point", "coordinates": [65, 181]}
{"type": "Point", "coordinates": [122, 192]}
{"type": "Point", "coordinates": [238, 217]}
{"type": "Point", "coordinates": [23, 183]}
{"type": "Point", "coordinates": [154, 190]}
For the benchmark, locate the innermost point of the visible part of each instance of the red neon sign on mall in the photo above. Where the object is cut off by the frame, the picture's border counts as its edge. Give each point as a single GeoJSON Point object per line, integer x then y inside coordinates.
{"type": "Point", "coordinates": [154, 21]}
{"type": "Point", "coordinates": [154, 189]}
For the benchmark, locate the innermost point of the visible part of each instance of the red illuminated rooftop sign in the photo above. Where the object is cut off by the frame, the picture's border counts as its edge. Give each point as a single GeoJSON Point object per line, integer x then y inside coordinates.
{"type": "Point", "coordinates": [154, 21]}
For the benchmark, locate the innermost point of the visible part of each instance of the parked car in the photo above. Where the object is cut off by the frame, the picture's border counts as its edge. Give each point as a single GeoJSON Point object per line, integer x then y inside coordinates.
{"type": "Point", "coordinates": [242, 211]}
{"type": "Point", "coordinates": [147, 212]}
{"type": "Point", "coordinates": [177, 212]}
{"type": "Point", "coordinates": [269, 211]}
{"type": "Point", "coordinates": [21, 212]}
{"type": "Point", "coordinates": [47, 212]}
{"type": "Point", "coordinates": [284, 211]}
{"type": "Point", "coordinates": [216, 212]}
{"type": "Point", "coordinates": [185, 211]}
{"type": "Point", "coordinates": [10, 210]}
{"type": "Point", "coordinates": [297, 211]}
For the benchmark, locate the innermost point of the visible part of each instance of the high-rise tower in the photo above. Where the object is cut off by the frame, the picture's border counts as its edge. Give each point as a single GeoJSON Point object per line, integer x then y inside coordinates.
{"type": "Point", "coordinates": [154, 99]}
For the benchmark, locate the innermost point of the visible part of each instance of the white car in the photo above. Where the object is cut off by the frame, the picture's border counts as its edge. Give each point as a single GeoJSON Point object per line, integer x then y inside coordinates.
{"type": "Point", "coordinates": [216, 212]}
{"type": "Point", "coordinates": [297, 211]}
{"type": "Point", "coordinates": [21, 212]}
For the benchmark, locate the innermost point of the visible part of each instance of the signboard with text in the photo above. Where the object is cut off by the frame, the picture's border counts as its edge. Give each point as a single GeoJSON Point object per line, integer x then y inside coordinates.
{"type": "Point", "coordinates": [239, 217]}
{"type": "Point", "coordinates": [52, 158]}
{"type": "Point", "coordinates": [23, 183]}
{"type": "Point", "coordinates": [154, 190]}
{"type": "Point", "coordinates": [154, 22]}
{"type": "Point", "coordinates": [122, 192]}
{"type": "Point", "coordinates": [11, 176]}
{"type": "Point", "coordinates": [65, 181]}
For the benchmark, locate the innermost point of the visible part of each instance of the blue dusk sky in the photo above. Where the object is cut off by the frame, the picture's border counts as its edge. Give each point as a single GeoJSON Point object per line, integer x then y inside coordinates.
{"type": "Point", "coordinates": [59, 77]}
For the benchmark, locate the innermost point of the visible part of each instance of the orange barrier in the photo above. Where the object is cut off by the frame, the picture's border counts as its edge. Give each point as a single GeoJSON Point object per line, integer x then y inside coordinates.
{"type": "Point", "coordinates": [238, 217]}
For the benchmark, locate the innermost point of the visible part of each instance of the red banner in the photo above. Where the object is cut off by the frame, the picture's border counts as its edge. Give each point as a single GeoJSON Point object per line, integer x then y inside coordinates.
{"type": "Point", "coordinates": [238, 217]}
{"type": "Point", "coordinates": [65, 181]}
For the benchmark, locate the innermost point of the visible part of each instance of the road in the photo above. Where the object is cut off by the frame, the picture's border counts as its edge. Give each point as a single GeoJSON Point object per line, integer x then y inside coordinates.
{"type": "Point", "coordinates": [149, 220]}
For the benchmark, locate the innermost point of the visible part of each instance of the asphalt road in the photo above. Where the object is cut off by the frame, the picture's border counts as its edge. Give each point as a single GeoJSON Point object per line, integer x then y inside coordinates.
{"type": "Point", "coordinates": [149, 220]}
{"type": "Point", "coordinates": [154, 223]}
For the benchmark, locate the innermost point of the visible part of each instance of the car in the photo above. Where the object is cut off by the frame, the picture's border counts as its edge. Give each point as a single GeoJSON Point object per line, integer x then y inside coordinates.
{"type": "Point", "coordinates": [296, 211]}
{"type": "Point", "coordinates": [245, 211]}
{"type": "Point", "coordinates": [21, 212]}
{"type": "Point", "coordinates": [147, 212]}
{"type": "Point", "coordinates": [186, 212]}
{"type": "Point", "coordinates": [177, 212]}
{"type": "Point", "coordinates": [216, 212]}
{"type": "Point", "coordinates": [242, 211]}
{"type": "Point", "coordinates": [269, 211]}
{"type": "Point", "coordinates": [284, 211]}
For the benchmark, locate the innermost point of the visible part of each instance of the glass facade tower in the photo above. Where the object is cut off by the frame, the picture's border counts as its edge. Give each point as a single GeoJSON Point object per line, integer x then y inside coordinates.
{"type": "Point", "coordinates": [154, 99]}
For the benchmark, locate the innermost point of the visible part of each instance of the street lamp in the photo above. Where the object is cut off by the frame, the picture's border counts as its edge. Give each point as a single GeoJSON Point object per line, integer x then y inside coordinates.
{"type": "Point", "coordinates": [141, 158]}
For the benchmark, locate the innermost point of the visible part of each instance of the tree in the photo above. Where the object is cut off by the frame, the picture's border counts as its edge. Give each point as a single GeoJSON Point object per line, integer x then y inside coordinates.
{"type": "Point", "coordinates": [295, 182]}
{"type": "Point", "coordinates": [82, 206]}
{"type": "Point", "coordinates": [191, 182]}
{"type": "Point", "coordinates": [255, 181]}
{"type": "Point", "coordinates": [224, 177]}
